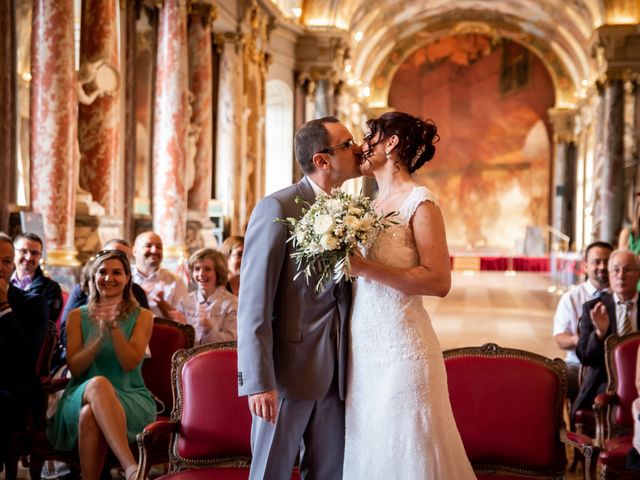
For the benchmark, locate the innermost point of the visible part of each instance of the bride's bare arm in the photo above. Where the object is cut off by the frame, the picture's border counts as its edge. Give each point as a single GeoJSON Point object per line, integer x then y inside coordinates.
{"type": "Point", "coordinates": [433, 275]}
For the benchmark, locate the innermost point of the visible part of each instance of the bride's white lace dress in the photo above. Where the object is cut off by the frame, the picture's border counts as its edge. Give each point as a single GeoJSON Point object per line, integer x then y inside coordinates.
{"type": "Point", "coordinates": [399, 423]}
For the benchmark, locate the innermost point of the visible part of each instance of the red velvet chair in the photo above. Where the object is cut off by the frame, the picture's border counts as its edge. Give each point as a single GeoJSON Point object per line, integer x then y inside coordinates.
{"type": "Point", "coordinates": [210, 425]}
{"type": "Point", "coordinates": [167, 338]}
{"type": "Point", "coordinates": [614, 421]}
{"type": "Point", "coordinates": [508, 406]}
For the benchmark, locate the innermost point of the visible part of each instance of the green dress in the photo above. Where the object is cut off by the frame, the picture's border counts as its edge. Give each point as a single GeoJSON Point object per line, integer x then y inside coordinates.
{"type": "Point", "coordinates": [634, 243]}
{"type": "Point", "coordinates": [138, 404]}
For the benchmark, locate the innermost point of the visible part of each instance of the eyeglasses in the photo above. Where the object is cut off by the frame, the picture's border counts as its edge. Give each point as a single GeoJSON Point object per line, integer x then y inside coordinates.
{"type": "Point", "coordinates": [33, 253]}
{"type": "Point", "coordinates": [348, 144]}
{"type": "Point", "coordinates": [623, 271]}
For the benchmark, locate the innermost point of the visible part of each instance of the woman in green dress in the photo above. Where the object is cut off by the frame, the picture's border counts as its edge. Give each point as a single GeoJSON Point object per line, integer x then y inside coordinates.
{"type": "Point", "coordinates": [106, 403]}
{"type": "Point", "coordinates": [629, 238]}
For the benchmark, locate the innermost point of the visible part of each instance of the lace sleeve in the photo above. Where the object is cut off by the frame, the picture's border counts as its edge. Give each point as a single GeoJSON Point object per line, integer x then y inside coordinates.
{"type": "Point", "coordinates": [415, 198]}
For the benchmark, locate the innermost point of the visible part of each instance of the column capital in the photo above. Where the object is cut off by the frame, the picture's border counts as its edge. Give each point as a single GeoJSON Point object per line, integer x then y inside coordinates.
{"type": "Point", "coordinates": [616, 52]}
{"type": "Point", "coordinates": [321, 53]}
{"type": "Point", "coordinates": [564, 124]}
{"type": "Point", "coordinates": [207, 12]}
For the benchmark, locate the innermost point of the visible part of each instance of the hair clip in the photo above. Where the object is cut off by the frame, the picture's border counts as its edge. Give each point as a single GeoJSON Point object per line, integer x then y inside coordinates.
{"type": "Point", "coordinates": [418, 154]}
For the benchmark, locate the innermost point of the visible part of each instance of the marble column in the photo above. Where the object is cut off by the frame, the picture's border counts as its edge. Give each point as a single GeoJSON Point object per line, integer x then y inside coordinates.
{"type": "Point", "coordinates": [229, 129]}
{"type": "Point", "coordinates": [128, 10]}
{"type": "Point", "coordinates": [564, 171]}
{"type": "Point", "coordinates": [8, 109]}
{"type": "Point", "coordinates": [99, 121]}
{"type": "Point", "coordinates": [612, 181]}
{"type": "Point", "coordinates": [54, 126]}
{"type": "Point", "coordinates": [201, 86]}
{"type": "Point", "coordinates": [170, 129]}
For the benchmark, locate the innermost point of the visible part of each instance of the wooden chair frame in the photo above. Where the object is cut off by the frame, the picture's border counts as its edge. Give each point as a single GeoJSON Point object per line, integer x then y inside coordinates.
{"type": "Point", "coordinates": [555, 366]}
{"type": "Point", "coordinates": [158, 431]}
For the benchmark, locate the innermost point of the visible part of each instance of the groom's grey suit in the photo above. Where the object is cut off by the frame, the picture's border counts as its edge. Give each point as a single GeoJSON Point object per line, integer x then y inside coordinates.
{"type": "Point", "coordinates": [293, 339]}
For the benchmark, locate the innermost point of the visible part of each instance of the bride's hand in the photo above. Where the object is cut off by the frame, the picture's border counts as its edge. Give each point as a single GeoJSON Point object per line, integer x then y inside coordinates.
{"type": "Point", "coordinates": [357, 264]}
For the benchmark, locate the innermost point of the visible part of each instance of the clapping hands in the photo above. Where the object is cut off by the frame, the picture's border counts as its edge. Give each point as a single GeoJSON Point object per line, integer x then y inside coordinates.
{"type": "Point", "coordinates": [600, 319]}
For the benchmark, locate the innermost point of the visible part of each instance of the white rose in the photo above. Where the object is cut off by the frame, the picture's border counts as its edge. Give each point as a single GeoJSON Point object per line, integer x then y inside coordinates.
{"type": "Point", "coordinates": [300, 234]}
{"type": "Point", "coordinates": [329, 242]}
{"type": "Point", "coordinates": [323, 224]}
{"type": "Point", "coordinates": [367, 221]}
{"type": "Point", "coordinates": [351, 222]}
{"type": "Point", "coordinates": [354, 211]}
{"type": "Point", "coordinates": [315, 248]}
{"type": "Point", "coordinates": [333, 205]}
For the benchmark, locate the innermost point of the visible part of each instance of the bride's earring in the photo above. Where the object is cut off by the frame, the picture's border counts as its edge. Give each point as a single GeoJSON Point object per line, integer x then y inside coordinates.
{"type": "Point", "coordinates": [388, 155]}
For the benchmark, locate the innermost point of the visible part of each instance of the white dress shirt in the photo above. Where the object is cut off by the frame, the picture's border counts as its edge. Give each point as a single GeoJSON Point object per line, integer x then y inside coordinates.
{"type": "Point", "coordinates": [214, 318]}
{"type": "Point", "coordinates": [317, 189]}
{"type": "Point", "coordinates": [569, 310]}
{"type": "Point", "coordinates": [633, 313]}
{"type": "Point", "coordinates": [161, 281]}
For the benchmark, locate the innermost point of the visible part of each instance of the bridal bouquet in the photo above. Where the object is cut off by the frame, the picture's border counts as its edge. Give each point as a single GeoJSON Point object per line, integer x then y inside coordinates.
{"type": "Point", "coordinates": [329, 231]}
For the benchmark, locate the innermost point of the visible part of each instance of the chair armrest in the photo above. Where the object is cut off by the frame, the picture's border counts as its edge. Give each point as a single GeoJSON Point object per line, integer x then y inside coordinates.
{"type": "Point", "coordinates": [585, 445]}
{"type": "Point", "coordinates": [601, 405]}
{"type": "Point", "coordinates": [603, 399]}
{"type": "Point", "coordinates": [153, 443]}
{"type": "Point", "coordinates": [50, 386]}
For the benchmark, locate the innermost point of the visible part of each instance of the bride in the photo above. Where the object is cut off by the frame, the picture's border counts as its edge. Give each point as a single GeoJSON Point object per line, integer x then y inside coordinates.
{"type": "Point", "coordinates": [399, 422]}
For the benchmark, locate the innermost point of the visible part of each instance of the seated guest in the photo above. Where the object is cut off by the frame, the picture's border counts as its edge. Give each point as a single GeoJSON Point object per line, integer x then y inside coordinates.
{"type": "Point", "coordinates": [233, 248]}
{"type": "Point", "coordinates": [28, 274]}
{"type": "Point", "coordinates": [613, 313]}
{"type": "Point", "coordinates": [211, 309]}
{"type": "Point", "coordinates": [23, 325]}
{"type": "Point", "coordinates": [80, 293]}
{"type": "Point", "coordinates": [565, 321]}
{"type": "Point", "coordinates": [163, 288]}
{"type": "Point", "coordinates": [106, 403]}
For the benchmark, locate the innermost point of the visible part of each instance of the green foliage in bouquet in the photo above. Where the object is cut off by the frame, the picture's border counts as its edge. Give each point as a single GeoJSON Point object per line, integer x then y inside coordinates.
{"type": "Point", "coordinates": [329, 231]}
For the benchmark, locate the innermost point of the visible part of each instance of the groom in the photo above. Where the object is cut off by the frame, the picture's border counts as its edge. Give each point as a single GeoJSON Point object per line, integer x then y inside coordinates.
{"type": "Point", "coordinates": [291, 339]}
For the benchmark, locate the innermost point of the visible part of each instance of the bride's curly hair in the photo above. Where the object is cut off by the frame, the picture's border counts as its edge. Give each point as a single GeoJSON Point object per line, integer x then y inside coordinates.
{"type": "Point", "coordinates": [416, 137]}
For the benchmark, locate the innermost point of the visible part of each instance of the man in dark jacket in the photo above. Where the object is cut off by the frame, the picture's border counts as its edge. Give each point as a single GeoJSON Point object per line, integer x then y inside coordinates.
{"type": "Point", "coordinates": [28, 274]}
{"type": "Point", "coordinates": [614, 313]}
{"type": "Point", "coordinates": [23, 325]}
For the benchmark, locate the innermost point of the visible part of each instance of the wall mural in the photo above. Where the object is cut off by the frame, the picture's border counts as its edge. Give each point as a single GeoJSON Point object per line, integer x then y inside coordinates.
{"type": "Point", "coordinates": [491, 172]}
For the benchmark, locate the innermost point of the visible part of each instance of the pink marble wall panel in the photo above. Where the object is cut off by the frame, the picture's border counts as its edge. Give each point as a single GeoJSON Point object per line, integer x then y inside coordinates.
{"type": "Point", "coordinates": [492, 165]}
{"type": "Point", "coordinates": [98, 125]}
{"type": "Point", "coordinates": [171, 122]}
{"type": "Point", "coordinates": [53, 120]}
{"type": "Point", "coordinates": [200, 84]}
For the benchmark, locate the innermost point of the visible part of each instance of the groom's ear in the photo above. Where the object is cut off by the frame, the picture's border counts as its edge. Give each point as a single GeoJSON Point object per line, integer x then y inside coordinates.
{"type": "Point", "coordinates": [320, 161]}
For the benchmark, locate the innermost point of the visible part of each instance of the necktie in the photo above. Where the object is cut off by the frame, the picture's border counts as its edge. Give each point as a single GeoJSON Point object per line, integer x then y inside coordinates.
{"type": "Point", "coordinates": [624, 326]}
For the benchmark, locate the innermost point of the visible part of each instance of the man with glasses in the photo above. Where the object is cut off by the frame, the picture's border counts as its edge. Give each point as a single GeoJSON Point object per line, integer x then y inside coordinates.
{"type": "Point", "coordinates": [29, 276]}
{"type": "Point", "coordinates": [565, 321]}
{"type": "Point", "coordinates": [292, 339]}
{"type": "Point", "coordinates": [614, 313]}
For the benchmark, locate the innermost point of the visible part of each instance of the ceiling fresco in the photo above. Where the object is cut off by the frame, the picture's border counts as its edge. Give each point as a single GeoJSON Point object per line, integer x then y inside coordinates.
{"type": "Point", "coordinates": [385, 32]}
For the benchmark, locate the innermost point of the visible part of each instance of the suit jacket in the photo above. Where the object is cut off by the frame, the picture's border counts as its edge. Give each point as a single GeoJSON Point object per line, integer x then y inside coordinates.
{"type": "Point", "coordinates": [50, 289]}
{"type": "Point", "coordinates": [290, 337]}
{"type": "Point", "coordinates": [21, 334]}
{"type": "Point", "coordinates": [590, 350]}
